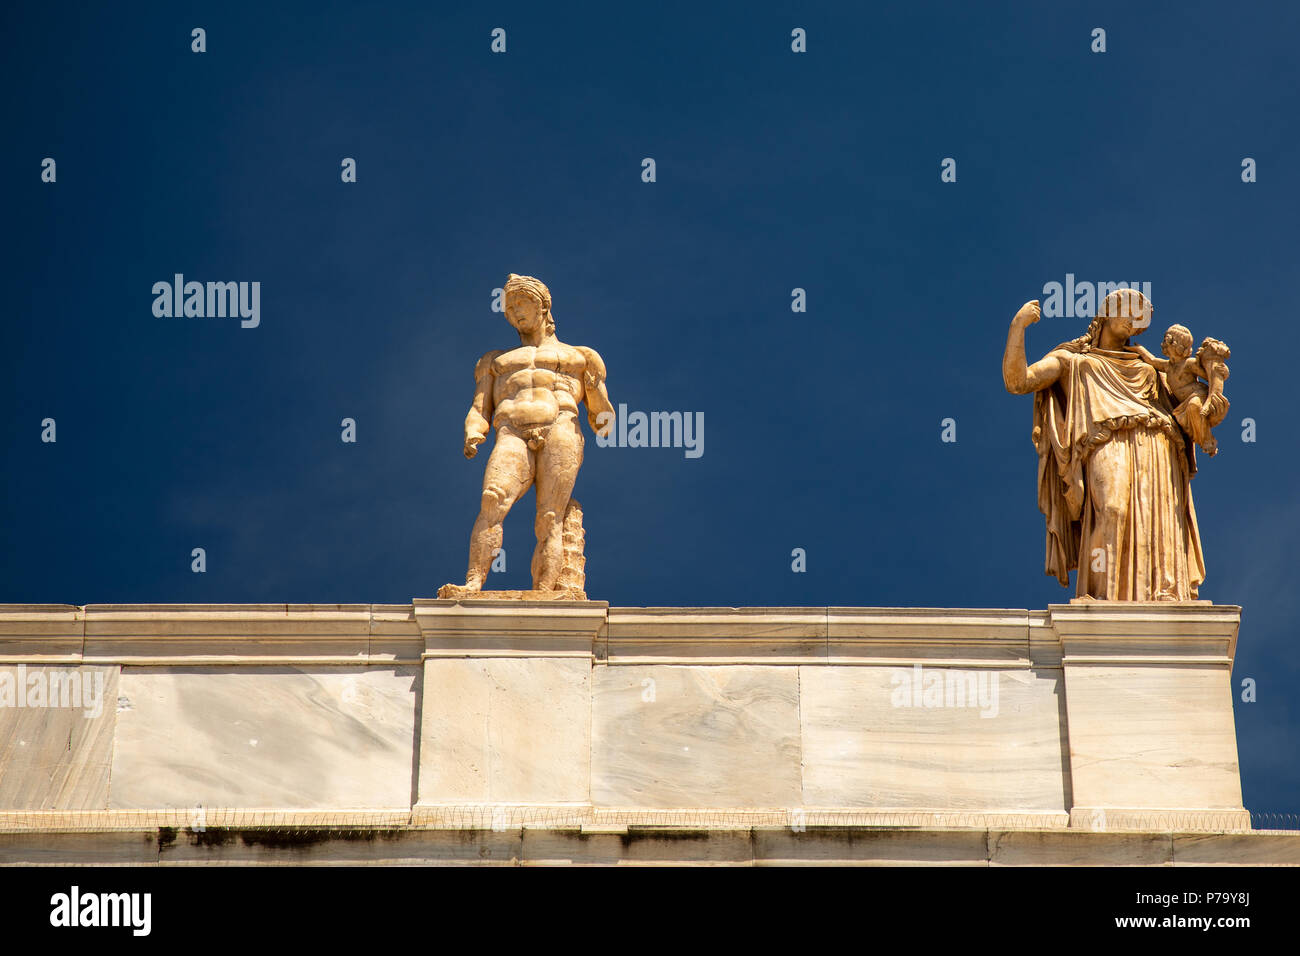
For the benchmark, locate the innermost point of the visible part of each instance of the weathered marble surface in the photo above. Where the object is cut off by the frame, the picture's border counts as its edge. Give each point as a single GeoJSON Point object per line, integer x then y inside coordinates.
{"type": "Point", "coordinates": [58, 758]}
{"type": "Point", "coordinates": [502, 730]}
{"type": "Point", "coordinates": [723, 845]}
{"type": "Point", "coordinates": [859, 750]}
{"type": "Point", "coordinates": [1148, 736]}
{"type": "Point", "coordinates": [265, 737]}
{"type": "Point", "coordinates": [834, 847]}
{"type": "Point", "coordinates": [695, 736]}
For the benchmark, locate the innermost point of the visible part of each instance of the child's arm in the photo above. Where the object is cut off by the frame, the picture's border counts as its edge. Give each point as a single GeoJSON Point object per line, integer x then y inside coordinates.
{"type": "Point", "coordinates": [1159, 364]}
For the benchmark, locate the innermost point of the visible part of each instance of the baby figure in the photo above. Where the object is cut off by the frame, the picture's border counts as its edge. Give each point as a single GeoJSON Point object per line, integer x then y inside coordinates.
{"type": "Point", "coordinates": [1201, 406]}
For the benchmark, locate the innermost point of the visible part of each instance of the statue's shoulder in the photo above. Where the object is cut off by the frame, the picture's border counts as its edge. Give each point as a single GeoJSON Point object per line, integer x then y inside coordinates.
{"type": "Point", "coordinates": [484, 365]}
{"type": "Point", "coordinates": [595, 364]}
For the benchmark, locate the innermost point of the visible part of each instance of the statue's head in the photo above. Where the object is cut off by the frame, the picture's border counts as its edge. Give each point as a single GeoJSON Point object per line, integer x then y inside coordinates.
{"type": "Point", "coordinates": [1124, 313]}
{"type": "Point", "coordinates": [528, 304]}
{"type": "Point", "coordinates": [1177, 342]}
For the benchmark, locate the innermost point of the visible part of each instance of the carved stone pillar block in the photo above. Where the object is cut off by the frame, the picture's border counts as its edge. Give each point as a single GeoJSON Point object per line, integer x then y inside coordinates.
{"type": "Point", "coordinates": [1148, 695]}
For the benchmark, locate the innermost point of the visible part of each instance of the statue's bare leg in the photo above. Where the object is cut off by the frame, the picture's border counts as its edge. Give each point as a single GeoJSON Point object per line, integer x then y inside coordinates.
{"type": "Point", "coordinates": [557, 470]}
{"type": "Point", "coordinates": [1110, 490]}
{"type": "Point", "coordinates": [508, 474]}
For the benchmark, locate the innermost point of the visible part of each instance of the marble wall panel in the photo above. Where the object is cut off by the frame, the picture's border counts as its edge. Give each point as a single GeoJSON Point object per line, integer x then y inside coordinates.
{"type": "Point", "coordinates": [56, 736]}
{"type": "Point", "coordinates": [284, 737]}
{"type": "Point", "coordinates": [870, 740]}
{"type": "Point", "coordinates": [706, 736]}
{"type": "Point", "coordinates": [505, 730]}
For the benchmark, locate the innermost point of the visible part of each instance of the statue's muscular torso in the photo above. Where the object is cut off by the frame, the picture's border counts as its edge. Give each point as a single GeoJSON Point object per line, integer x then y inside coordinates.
{"type": "Point", "coordinates": [533, 385]}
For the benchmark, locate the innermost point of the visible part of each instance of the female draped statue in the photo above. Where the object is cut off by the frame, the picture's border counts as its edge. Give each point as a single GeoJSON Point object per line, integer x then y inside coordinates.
{"type": "Point", "coordinates": [1114, 464]}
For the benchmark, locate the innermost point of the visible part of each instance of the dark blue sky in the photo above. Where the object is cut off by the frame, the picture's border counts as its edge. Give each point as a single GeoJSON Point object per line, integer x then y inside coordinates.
{"type": "Point", "coordinates": [775, 171]}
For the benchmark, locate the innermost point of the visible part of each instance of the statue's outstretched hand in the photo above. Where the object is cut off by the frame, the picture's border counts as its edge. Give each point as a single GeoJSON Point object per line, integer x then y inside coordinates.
{"type": "Point", "coordinates": [1028, 314]}
{"type": "Point", "coordinates": [471, 445]}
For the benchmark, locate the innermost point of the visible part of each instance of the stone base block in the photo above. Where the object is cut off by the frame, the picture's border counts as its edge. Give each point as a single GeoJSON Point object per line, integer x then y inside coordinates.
{"type": "Point", "coordinates": [458, 592]}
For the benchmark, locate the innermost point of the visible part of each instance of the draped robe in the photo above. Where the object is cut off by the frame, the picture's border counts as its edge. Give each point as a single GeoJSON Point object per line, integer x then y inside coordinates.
{"type": "Point", "coordinates": [1114, 472]}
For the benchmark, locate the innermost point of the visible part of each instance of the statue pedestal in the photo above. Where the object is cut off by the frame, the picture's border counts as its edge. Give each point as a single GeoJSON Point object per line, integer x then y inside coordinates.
{"type": "Point", "coordinates": [506, 703]}
{"type": "Point", "coordinates": [515, 730]}
{"type": "Point", "coordinates": [1149, 710]}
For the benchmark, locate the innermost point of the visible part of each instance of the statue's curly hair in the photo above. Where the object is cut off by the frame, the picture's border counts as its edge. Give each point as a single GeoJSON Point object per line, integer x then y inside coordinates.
{"type": "Point", "coordinates": [537, 289]}
{"type": "Point", "coordinates": [1181, 332]}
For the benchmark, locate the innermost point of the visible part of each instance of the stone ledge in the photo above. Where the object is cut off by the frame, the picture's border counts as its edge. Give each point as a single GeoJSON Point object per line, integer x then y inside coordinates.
{"type": "Point", "coordinates": [208, 634]}
{"type": "Point", "coordinates": [1125, 632]}
{"type": "Point", "coordinates": [460, 593]}
{"type": "Point", "coordinates": [753, 846]}
{"type": "Point", "coordinates": [489, 816]}
{"type": "Point", "coordinates": [508, 628]}
{"type": "Point", "coordinates": [279, 634]}
{"type": "Point", "coordinates": [716, 635]}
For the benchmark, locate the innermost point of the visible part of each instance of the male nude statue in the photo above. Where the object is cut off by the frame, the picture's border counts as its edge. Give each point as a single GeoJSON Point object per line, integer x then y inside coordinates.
{"type": "Point", "coordinates": [530, 395]}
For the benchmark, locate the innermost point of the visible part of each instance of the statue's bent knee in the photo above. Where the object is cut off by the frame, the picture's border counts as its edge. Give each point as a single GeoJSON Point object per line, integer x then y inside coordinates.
{"type": "Point", "coordinates": [493, 502]}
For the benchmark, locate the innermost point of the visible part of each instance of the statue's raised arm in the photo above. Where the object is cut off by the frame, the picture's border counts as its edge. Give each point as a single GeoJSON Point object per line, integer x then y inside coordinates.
{"type": "Point", "coordinates": [1018, 376]}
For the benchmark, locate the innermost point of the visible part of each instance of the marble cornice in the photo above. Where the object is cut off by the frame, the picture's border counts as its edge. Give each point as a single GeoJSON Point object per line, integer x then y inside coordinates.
{"type": "Point", "coordinates": [1106, 632]}
{"type": "Point", "coordinates": [507, 628]}
{"type": "Point", "coordinates": [313, 634]}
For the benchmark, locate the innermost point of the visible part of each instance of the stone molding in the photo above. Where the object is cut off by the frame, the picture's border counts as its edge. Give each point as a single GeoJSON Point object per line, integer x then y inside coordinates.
{"type": "Point", "coordinates": [646, 846]}
{"type": "Point", "coordinates": [233, 634]}
{"type": "Point", "coordinates": [208, 634]}
{"type": "Point", "coordinates": [1119, 632]}
{"type": "Point", "coordinates": [508, 628]}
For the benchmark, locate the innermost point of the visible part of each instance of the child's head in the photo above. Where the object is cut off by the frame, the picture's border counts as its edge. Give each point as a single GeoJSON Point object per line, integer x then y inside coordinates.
{"type": "Point", "coordinates": [1177, 342]}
